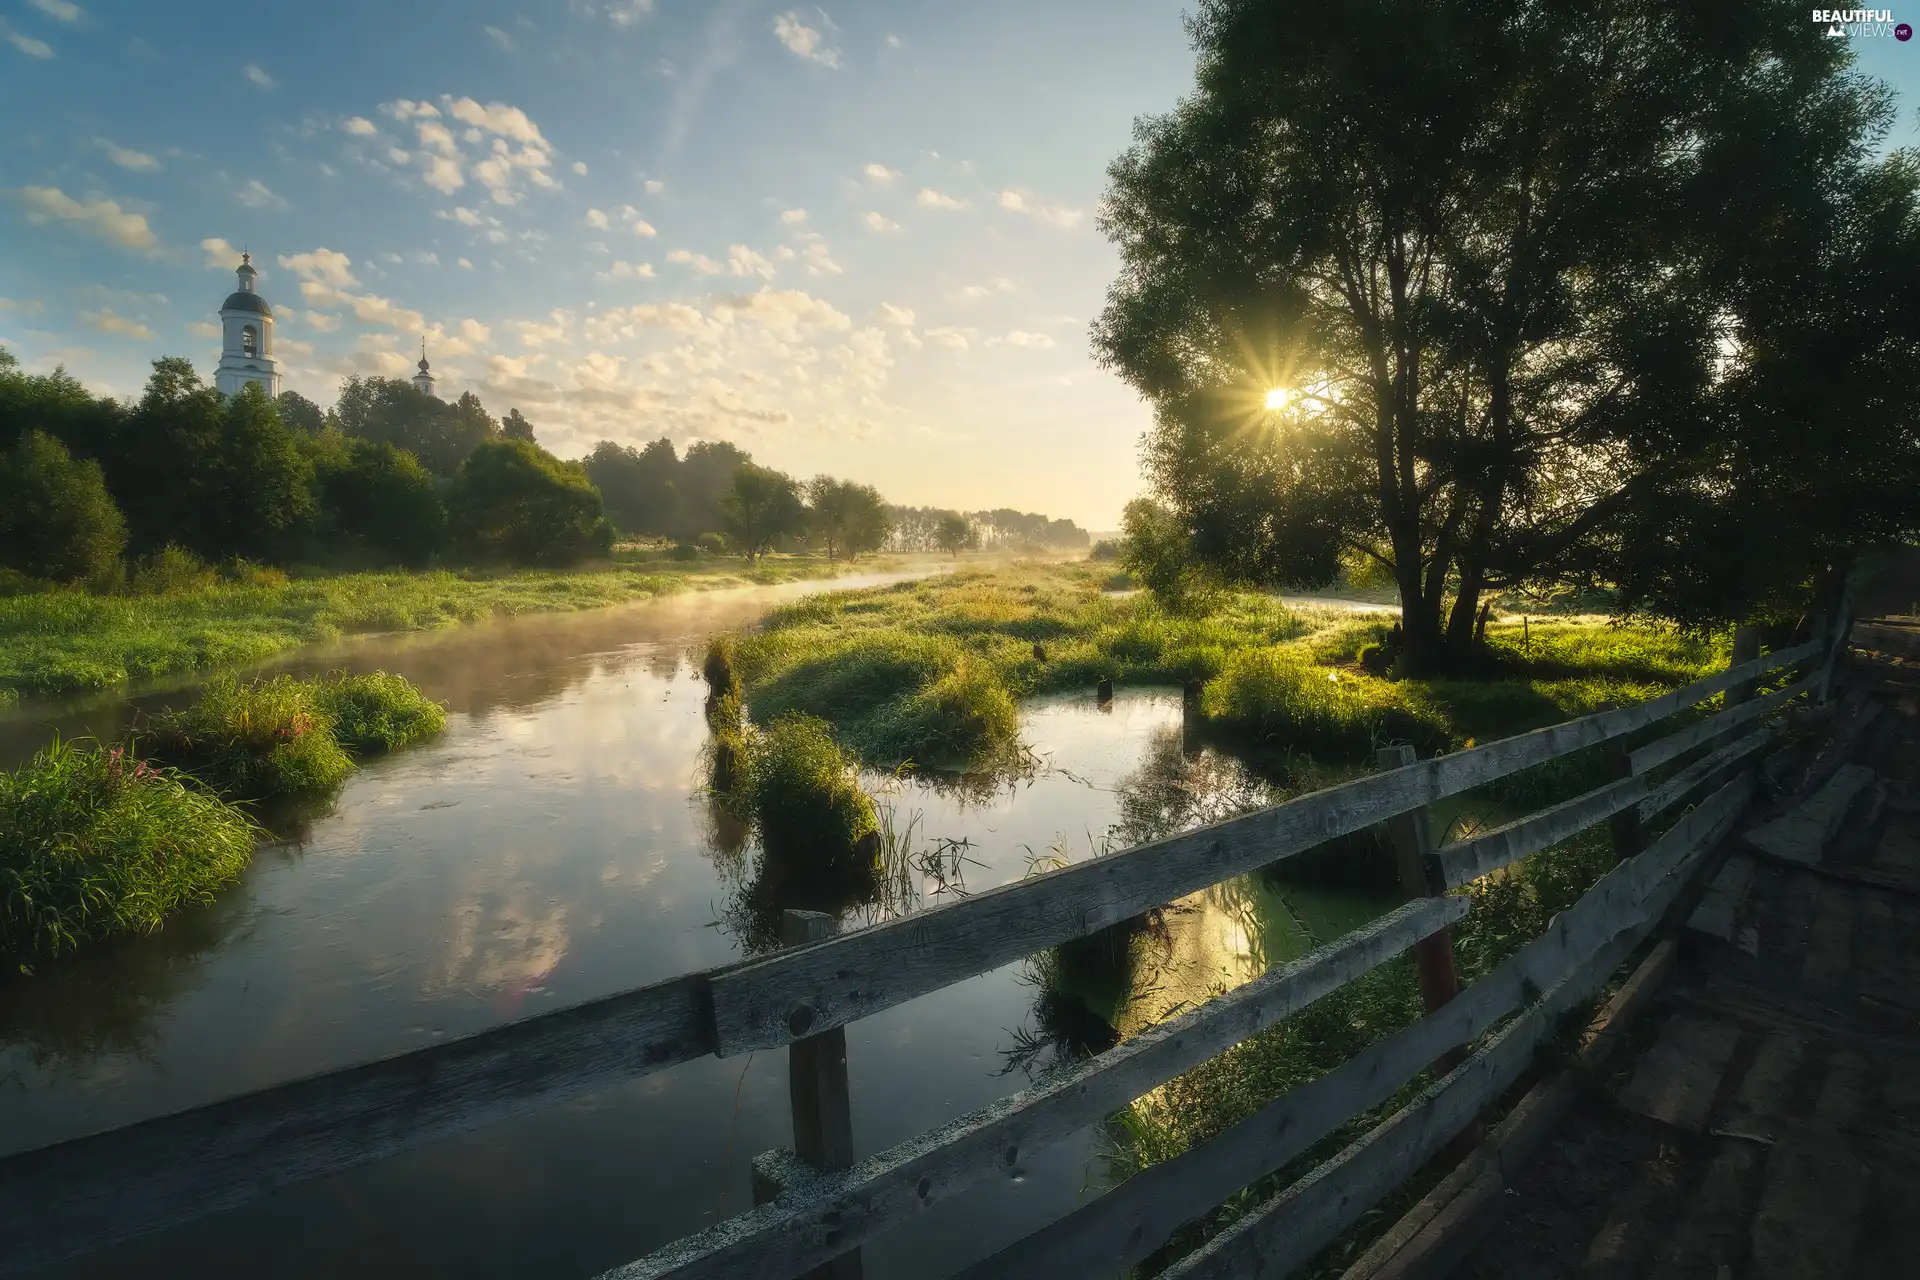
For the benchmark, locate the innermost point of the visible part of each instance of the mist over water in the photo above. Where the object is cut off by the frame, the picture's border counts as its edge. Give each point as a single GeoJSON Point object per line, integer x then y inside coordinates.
{"type": "Point", "coordinates": [555, 845]}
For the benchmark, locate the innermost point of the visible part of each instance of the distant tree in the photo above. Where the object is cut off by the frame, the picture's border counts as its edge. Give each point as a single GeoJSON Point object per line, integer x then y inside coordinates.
{"type": "Point", "coordinates": [383, 499]}
{"type": "Point", "coordinates": [1500, 257]}
{"type": "Point", "coordinates": [849, 518]}
{"type": "Point", "coordinates": [640, 486]}
{"type": "Point", "coordinates": [390, 411]}
{"type": "Point", "coordinates": [706, 474]}
{"type": "Point", "coordinates": [58, 405]}
{"type": "Point", "coordinates": [1156, 551]}
{"type": "Point", "coordinates": [760, 508]}
{"type": "Point", "coordinates": [514, 501]}
{"type": "Point", "coordinates": [955, 533]}
{"type": "Point", "coordinates": [162, 461]}
{"type": "Point", "coordinates": [515, 427]}
{"type": "Point", "coordinates": [300, 413]}
{"type": "Point", "coordinates": [57, 520]}
{"type": "Point", "coordinates": [260, 483]}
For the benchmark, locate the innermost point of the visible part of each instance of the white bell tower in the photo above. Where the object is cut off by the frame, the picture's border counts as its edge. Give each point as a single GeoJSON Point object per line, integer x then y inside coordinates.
{"type": "Point", "coordinates": [246, 338]}
{"type": "Point", "coordinates": [423, 380]}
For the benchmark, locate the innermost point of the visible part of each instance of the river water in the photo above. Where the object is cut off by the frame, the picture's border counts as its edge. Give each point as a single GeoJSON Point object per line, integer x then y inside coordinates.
{"type": "Point", "coordinates": [556, 845]}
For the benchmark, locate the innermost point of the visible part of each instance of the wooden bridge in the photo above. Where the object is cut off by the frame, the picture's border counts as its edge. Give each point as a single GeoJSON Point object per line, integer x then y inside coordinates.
{"type": "Point", "coordinates": [1684, 772]}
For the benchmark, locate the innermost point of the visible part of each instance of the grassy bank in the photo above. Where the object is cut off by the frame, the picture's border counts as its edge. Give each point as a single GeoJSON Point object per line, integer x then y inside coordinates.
{"type": "Point", "coordinates": [931, 671]}
{"type": "Point", "coordinates": [94, 842]}
{"type": "Point", "coordinates": [59, 642]}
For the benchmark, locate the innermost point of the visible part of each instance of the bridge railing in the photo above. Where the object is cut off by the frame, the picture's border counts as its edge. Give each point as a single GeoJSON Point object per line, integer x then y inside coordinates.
{"type": "Point", "coordinates": [69, 1198]}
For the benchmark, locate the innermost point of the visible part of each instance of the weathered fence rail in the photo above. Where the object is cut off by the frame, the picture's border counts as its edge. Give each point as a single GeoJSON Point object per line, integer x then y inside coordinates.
{"type": "Point", "coordinates": [79, 1195]}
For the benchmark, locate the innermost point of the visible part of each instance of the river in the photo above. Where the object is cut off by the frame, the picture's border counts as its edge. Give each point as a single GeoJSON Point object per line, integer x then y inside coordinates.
{"type": "Point", "coordinates": [556, 845]}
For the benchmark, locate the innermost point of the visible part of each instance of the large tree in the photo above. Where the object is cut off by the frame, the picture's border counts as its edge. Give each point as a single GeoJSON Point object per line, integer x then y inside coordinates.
{"type": "Point", "coordinates": [56, 519]}
{"type": "Point", "coordinates": [1451, 284]}
{"type": "Point", "coordinates": [761, 507]}
{"type": "Point", "coordinates": [515, 501]}
{"type": "Point", "coordinates": [848, 517]}
{"type": "Point", "coordinates": [389, 411]}
{"type": "Point", "coordinates": [641, 486]}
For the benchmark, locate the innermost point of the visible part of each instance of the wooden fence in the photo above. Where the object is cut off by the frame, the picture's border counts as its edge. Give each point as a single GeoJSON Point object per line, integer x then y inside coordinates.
{"type": "Point", "coordinates": [815, 1206]}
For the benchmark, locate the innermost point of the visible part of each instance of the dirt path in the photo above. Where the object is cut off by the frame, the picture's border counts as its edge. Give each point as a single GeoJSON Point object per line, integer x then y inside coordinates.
{"type": "Point", "coordinates": [1768, 1122]}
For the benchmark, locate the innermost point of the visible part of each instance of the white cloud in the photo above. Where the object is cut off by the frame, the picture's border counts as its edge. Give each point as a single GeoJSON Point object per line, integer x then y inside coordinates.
{"type": "Point", "coordinates": [1052, 215]}
{"type": "Point", "coordinates": [881, 174]}
{"type": "Point", "coordinates": [641, 227]}
{"type": "Point", "coordinates": [203, 329]}
{"type": "Point", "coordinates": [405, 109]}
{"type": "Point", "coordinates": [25, 306]}
{"type": "Point", "coordinates": [107, 321]}
{"type": "Point", "coordinates": [127, 157]}
{"type": "Point", "coordinates": [819, 261]}
{"type": "Point", "coordinates": [96, 215]}
{"type": "Point", "coordinates": [501, 39]}
{"type": "Point", "coordinates": [508, 151]}
{"type": "Point", "coordinates": [256, 196]}
{"type": "Point", "coordinates": [360, 126]}
{"type": "Point", "coordinates": [580, 167]}
{"type": "Point", "coordinates": [893, 42]}
{"type": "Point", "coordinates": [538, 334]}
{"type": "Point", "coordinates": [325, 265]}
{"type": "Point", "coordinates": [784, 311]}
{"type": "Point", "coordinates": [597, 220]}
{"type": "Point", "coordinates": [259, 77]}
{"type": "Point", "coordinates": [974, 292]}
{"type": "Point", "coordinates": [399, 156]}
{"type": "Point", "coordinates": [794, 217]}
{"type": "Point", "coordinates": [881, 223]}
{"type": "Point", "coordinates": [468, 265]}
{"type": "Point", "coordinates": [1020, 338]}
{"type": "Point", "coordinates": [700, 262]}
{"type": "Point", "coordinates": [655, 186]}
{"type": "Point", "coordinates": [901, 316]}
{"type": "Point", "coordinates": [60, 10]}
{"type": "Point", "coordinates": [25, 43]}
{"type": "Point", "coordinates": [742, 261]}
{"type": "Point", "coordinates": [322, 322]}
{"type": "Point", "coordinates": [931, 199]}
{"type": "Point", "coordinates": [804, 41]}
{"type": "Point", "coordinates": [947, 338]}
{"type": "Point", "coordinates": [498, 117]}
{"type": "Point", "coordinates": [624, 270]}
{"type": "Point", "coordinates": [627, 13]}
{"type": "Point", "coordinates": [220, 254]}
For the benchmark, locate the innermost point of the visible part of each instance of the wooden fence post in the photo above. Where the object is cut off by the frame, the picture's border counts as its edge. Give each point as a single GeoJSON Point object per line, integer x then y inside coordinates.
{"type": "Point", "coordinates": [1837, 642]}
{"type": "Point", "coordinates": [822, 1105]}
{"type": "Point", "coordinates": [1419, 871]}
{"type": "Point", "coordinates": [1625, 828]}
{"type": "Point", "coordinates": [1746, 647]}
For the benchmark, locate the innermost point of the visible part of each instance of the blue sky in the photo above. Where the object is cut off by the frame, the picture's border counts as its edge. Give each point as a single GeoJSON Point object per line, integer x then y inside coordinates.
{"type": "Point", "coordinates": [856, 240]}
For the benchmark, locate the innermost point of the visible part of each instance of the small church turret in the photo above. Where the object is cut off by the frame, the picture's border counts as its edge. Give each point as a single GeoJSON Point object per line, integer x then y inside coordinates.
{"type": "Point", "coordinates": [423, 380]}
{"type": "Point", "coordinates": [246, 338]}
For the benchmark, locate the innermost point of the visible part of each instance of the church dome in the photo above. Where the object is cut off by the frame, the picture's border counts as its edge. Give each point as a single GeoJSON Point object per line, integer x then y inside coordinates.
{"type": "Point", "coordinates": [244, 301]}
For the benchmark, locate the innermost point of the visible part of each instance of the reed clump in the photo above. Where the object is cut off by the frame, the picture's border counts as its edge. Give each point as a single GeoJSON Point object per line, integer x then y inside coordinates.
{"type": "Point", "coordinates": [95, 842]}
{"type": "Point", "coordinates": [378, 712]}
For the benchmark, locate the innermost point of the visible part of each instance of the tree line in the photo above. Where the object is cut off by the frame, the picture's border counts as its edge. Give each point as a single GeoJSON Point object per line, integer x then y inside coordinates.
{"type": "Point", "coordinates": [389, 475]}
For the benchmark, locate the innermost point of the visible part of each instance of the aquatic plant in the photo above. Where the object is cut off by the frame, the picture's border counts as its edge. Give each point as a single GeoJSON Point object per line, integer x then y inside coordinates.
{"type": "Point", "coordinates": [377, 712]}
{"type": "Point", "coordinates": [808, 806]}
{"type": "Point", "coordinates": [252, 740]}
{"type": "Point", "coordinates": [95, 842]}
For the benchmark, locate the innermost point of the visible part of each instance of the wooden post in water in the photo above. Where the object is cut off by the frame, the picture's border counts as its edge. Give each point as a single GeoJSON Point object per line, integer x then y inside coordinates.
{"type": "Point", "coordinates": [822, 1105]}
{"type": "Point", "coordinates": [1746, 647]}
{"type": "Point", "coordinates": [1419, 871]}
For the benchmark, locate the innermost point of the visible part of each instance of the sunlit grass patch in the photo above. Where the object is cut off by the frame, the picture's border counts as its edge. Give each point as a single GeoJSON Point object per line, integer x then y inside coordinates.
{"type": "Point", "coordinates": [253, 740]}
{"type": "Point", "coordinates": [378, 711]}
{"type": "Point", "coordinates": [94, 842]}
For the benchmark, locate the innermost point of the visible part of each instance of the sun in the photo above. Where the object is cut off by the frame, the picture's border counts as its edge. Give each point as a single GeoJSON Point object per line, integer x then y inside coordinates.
{"type": "Point", "coordinates": [1277, 398]}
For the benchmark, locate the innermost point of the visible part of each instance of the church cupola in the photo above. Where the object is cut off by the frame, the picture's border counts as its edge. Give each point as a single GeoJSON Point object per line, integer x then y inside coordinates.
{"type": "Point", "coordinates": [423, 380]}
{"type": "Point", "coordinates": [246, 337]}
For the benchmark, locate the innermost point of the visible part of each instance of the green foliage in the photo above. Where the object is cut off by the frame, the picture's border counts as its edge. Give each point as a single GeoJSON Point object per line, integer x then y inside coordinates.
{"type": "Point", "coordinates": [639, 486]}
{"type": "Point", "coordinates": [1158, 555]}
{"type": "Point", "coordinates": [392, 411]}
{"type": "Point", "coordinates": [383, 498]}
{"type": "Point", "coordinates": [300, 413]}
{"type": "Point", "coordinates": [170, 571]}
{"type": "Point", "coordinates": [514, 501]}
{"type": "Point", "coordinates": [94, 842]}
{"type": "Point", "coordinates": [253, 740]}
{"type": "Point", "coordinates": [800, 791]}
{"type": "Point", "coordinates": [377, 712]}
{"type": "Point", "coordinates": [1336, 213]}
{"type": "Point", "coordinates": [760, 508]}
{"type": "Point", "coordinates": [849, 518]}
{"type": "Point", "coordinates": [955, 533]}
{"type": "Point", "coordinates": [1280, 695]}
{"type": "Point", "coordinates": [56, 404]}
{"type": "Point", "coordinates": [57, 520]}
{"type": "Point", "coordinates": [516, 427]}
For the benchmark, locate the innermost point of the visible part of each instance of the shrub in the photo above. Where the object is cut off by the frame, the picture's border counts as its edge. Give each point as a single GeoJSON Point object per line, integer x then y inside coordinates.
{"type": "Point", "coordinates": [264, 738]}
{"type": "Point", "coordinates": [683, 551]}
{"type": "Point", "coordinates": [714, 544]}
{"type": "Point", "coordinates": [170, 571]}
{"type": "Point", "coordinates": [378, 712]}
{"type": "Point", "coordinates": [514, 501]}
{"type": "Point", "coordinates": [1105, 549]}
{"type": "Point", "coordinates": [57, 520]}
{"type": "Point", "coordinates": [93, 842]}
{"type": "Point", "coordinates": [807, 802]}
{"type": "Point", "coordinates": [384, 497]}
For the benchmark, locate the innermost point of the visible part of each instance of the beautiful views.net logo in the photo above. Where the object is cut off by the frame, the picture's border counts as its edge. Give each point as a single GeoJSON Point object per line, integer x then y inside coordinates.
{"type": "Point", "coordinates": [1862, 24]}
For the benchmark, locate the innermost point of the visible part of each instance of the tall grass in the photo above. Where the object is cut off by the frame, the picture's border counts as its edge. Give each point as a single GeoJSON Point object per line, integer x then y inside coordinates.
{"type": "Point", "coordinates": [378, 712]}
{"type": "Point", "coordinates": [94, 842]}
